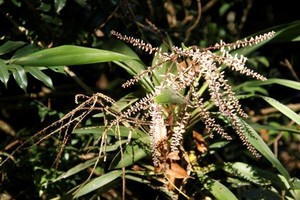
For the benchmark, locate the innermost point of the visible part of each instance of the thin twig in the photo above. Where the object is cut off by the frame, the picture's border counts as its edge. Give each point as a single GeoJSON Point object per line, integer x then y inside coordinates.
{"type": "Point", "coordinates": [196, 22]}
{"type": "Point", "coordinates": [78, 80]}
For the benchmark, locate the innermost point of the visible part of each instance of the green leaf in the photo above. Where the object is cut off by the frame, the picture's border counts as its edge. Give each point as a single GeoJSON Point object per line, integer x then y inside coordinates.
{"type": "Point", "coordinates": [10, 46]}
{"type": "Point", "coordinates": [283, 33]}
{"type": "Point", "coordinates": [4, 74]}
{"type": "Point", "coordinates": [133, 152]}
{"type": "Point", "coordinates": [98, 130]}
{"type": "Point", "coordinates": [28, 49]}
{"type": "Point", "coordinates": [81, 2]}
{"type": "Point", "coordinates": [284, 82]}
{"type": "Point", "coordinates": [217, 189]}
{"type": "Point", "coordinates": [283, 109]}
{"type": "Point", "coordinates": [99, 182]}
{"type": "Point", "coordinates": [58, 69]}
{"type": "Point", "coordinates": [134, 66]}
{"type": "Point", "coordinates": [169, 95]}
{"type": "Point", "coordinates": [19, 75]}
{"type": "Point", "coordinates": [17, 3]}
{"type": "Point", "coordinates": [69, 55]}
{"type": "Point", "coordinates": [254, 138]}
{"type": "Point", "coordinates": [76, 169]}
{"type": "Point", "coordinates": [278, 128]}
{"type": "Point", "coordinates": [59, 5]}
{"type": "Point", "coordinates": [38, 74]}
{"type": "Point", "coordinates": [247, 172]}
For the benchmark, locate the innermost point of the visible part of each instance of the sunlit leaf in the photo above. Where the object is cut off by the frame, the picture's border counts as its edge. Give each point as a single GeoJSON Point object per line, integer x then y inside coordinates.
{"type": "Point", "coordinates": [19, 75]}
{"type": "Point", "coordinates": [69, 55]}
{"type": "Point", "coordinates": [133, 66]}
{"type": "Point", "coordinates": [246, 172]}
{"type": "Point", "coordinates": [4, 74]}
{"type": "Point", "coordinates": [59, 5]}
{"type": "Point", "coordinates": [283, 109]}
{"type": "Point", "coordinates": [217, 189]}
{"type": "Point", "coordinates": [284, 82]}
{"type": "Point", "coordinates": [254, 138]}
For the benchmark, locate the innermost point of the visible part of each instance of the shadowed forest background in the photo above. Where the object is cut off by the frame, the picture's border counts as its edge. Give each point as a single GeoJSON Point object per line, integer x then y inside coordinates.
{"type": "Point", "coordinates": [38, 169]}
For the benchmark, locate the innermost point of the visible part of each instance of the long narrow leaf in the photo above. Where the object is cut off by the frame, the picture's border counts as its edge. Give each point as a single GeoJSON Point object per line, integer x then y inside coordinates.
{"type": "Point", "coordinates": [132, 153]}
{"type": "Point", "coordinates": [38, 74]}
{"type": "Point", "coordinates": [98, 183]}
{"type": "Point", "coordinates": [283, 109]}
{"type": "Point", "coordinates": [10, 46]}
{"type": "Point", "coordinates": [98, 130]}
{"type": "Point", "coordinates": [284, 82]}
{"type": "Point", "coordinates": [283, 33]}
{"type": "Point", "coordinates": [254, 138]}
{"type": "Point", "coordinates": [76, 169]}
{"type": "Point", "coordinates": [69, 55]}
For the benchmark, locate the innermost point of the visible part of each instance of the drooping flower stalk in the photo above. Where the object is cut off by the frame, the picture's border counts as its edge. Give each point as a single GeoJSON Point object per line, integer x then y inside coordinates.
{"type": "Point", "coordinates": [198, 64]}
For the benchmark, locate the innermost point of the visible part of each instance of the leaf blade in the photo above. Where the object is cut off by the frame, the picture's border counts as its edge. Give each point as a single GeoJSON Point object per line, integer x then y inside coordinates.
{"type": "Point", "coordinates": [20, 76]}
{"type": "Point", "coordinates": [98, 183]}
{"type": "Point", "coordinates": [4, 74]}
{"type": "Point", "coordinates": [69, 55]}
{"type": "Point", "coordinates": [38, 74]}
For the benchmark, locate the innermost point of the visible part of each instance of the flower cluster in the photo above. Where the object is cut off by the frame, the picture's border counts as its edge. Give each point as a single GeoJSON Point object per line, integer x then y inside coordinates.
{"type": "Point", "coordinates": [193, 65]}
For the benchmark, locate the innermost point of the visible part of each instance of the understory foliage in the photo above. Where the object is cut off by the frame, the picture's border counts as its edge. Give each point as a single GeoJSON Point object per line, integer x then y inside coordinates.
{"type": "Point", "coordinates": [185, 128]}
{"type": "Point", "coordinates": [186, 90]}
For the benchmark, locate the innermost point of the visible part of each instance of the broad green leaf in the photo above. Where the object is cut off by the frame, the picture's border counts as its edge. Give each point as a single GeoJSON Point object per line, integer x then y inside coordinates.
{"type": "Point", "coordinates": [97, 183]}
{"type": "Point", "coordinates": [217, 189]}
{"type": "Point", "coordinates": [69, 55]}
{"type": "Point", "coordinates": [283, 109]}
{"type": "Point", "coordinates": [19, 75]}
{"type": "Point", "coordinates": [254, 138]}
{"type": "Point", "coordinates": [4, 74]}
{"type": "Point", "coordinates": [38, 74]}
{"type": "Point", "coordinates": [10, 46]}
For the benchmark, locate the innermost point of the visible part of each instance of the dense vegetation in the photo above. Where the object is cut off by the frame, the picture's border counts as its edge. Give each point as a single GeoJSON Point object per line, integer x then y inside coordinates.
{"type": "Point", "coordinates": [120, 99]}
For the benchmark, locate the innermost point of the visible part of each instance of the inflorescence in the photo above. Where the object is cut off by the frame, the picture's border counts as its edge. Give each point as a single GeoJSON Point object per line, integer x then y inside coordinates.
{"type": "Point", "coordinates": [193, 64]}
